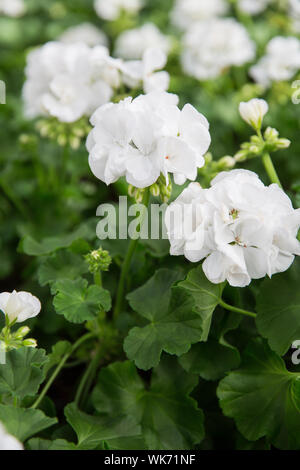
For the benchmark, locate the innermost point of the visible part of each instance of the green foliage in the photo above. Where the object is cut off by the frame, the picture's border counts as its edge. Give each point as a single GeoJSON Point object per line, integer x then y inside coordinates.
{"type": "Point", "coordinates": [79, 302]}
{"type": "Point", "coordinates": [24, 423]}
{"type": "Point", "coordinates": [263, 398]}
{"type": "Point", "coordinates": [22, 372]}
{"type": "Point", "coordinates": [278, 307]}
{"type": "Point", "coordinates": [173, 324]}
{"type": "Point", "coordinates": [169, 417]}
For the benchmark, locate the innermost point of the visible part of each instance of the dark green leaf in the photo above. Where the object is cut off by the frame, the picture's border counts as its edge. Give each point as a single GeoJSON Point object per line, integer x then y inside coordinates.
{"type": "Point", "coordinates": [263, 398]}
{"type": "Point", "coordinates": [78, 302]}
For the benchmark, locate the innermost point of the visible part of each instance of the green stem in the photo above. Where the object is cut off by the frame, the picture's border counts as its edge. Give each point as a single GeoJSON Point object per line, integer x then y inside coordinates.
{"type": "Point", "coordinates": [98, 278]}
{"type": "Point", "coordinates": [60, 366]}
{"type": "Point", "coordinates": [231, 308]}
{"type": "Point", "coordinates": [270, 169]}
{"type": "Point", "coordinates": [87, 378]}
{"type": "Point", "coordinates": [126, 264]}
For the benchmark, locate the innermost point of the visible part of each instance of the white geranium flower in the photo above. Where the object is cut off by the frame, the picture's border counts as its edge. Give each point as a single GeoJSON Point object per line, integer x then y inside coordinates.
{"type": "Point", "coordinates": [212, 46]}
{"type": "Point", "coordinates": [254, 111]}
{"type": "Point", "coordinates": [132, 44]}
{"type": "Point", "coordinates": [68, 81]}
{"type": "Point", "coordinates": [281, 62]}
{"type": "Point", "coordinates": [294, 13]}
{"type": "Point", "coordinates": [19, 306]}
{"type": "Point", "coordinates": [111, 9]}
{"type": "Point", "coordinates": [146, 137]}
{"type": "Point", "coordinates": [187, 12]}
{"type": "Point", "coordinates": [241, 228]}
{"type": "Point", "coordinates": [144, 73]}
{"type": "Point", "coordinates": [8, 442]}
{"type": "Point", "coordinates": [253, 7]}
{"type": "Point", "coordinates": [13, 8]}
{"type": "Point", "coordinates": [86, 33]}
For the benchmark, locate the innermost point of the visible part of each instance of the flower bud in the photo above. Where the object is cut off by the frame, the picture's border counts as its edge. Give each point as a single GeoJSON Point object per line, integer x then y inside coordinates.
{"type": "Point", "coordinates": [227, 162]}
{"type": "Point", "coordinates": [98, 260]}
{"type": "Point", "coordinates": [30, 342]}
{"type": "Point", "coordinates": [154, 189]}
{"type": "Point", "coordinates": [283, 143]}
{"type": "Point", "coordinates": [271, 133]}
{"type": "Point", "coordinates": [253, 112]}
{"type": "Point", "coordinates": [21, 332]}
{"type": "Point", "coordinates": [241, 156]}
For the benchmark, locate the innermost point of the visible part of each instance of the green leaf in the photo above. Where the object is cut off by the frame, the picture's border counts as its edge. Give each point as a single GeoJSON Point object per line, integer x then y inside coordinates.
{"type": "Point", "coordinates": [173, 325]}
{"type": "Point", "coordinates": [78, 302]}
{"type": "Point", "coordinates": [263, 398]}
{"type": "Point", "coordinates": [212, 359]}
{"type": "Point", "coordinates": [61, 265]}
{"type": "Point", "coordinates": [205, 294]}
{"type": "Point", "coordinates": [278, 307]}
{"type": "Point", "coordinates": [169, 417]}
{"type": "Point", "coordinates": [48, 245]}
{"type": "Point", "coordinates": [91, 431]}
{"type": "Point", "coordinates": [24, 423]}
{"type": "Point", "coordinates": [22, 373]}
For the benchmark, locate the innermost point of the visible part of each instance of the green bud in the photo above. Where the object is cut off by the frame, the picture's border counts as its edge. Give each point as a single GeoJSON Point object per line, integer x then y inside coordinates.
{"type": "Point", "coordinates": [155, 190]}
{"type": "Point", "coordinates": [283, 143]}
{"type": "Point", "coordinates": [226, 162]}
{"type": "Point", "coordinates": [271, 133]}
{"type": "Point", "coordinates": [21, 332]}
{"type": "Point", "coordinates": [30, 342]}
{"type": "Point", "coordinates": [98, 260]}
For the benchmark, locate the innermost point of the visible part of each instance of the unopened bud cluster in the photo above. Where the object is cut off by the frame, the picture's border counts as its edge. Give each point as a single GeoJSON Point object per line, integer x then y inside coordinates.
{"type": "Point", "coordinates": [98, 260]}
{"type": "Point", "coordinates": [14, 340]}
{"type": "Point", "coordinates": [213, 167]}
{"type": "Point", "coordinates": [64, 134]}
{"type": "Point", "coordinates": [271, 142]}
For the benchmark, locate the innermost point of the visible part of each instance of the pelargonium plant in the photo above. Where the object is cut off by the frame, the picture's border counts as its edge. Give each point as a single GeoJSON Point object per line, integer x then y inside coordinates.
{"type": "Point", "coordinates": [150, 215]}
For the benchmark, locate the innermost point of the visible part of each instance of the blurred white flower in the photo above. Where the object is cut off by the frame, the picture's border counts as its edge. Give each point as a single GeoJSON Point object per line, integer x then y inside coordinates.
{"type": "Point", "coordinates": [8, 442]}
{"type": "Point", "coordinates": [212, 46]}
{"type": "Point", "coordinates": [243, 229]}
{"type": "Point", "coordinates": [86, 33]}
{"type": "Point", "coordinates": [68, 81]}
{"type": "Point", "coordinates": [253, 7]}
{"type": "Point", "coordinates": [146, 137]}
{"type": "Point", "coordinates": [13, 8]}
{"type": "Point", "coordinates": [254, 111]}
{"type": "Point", "coordinates": [281, 62]}
{"type": "Point", "coordinates": [294, 13]}
{"type": "Point", "coordinates": [19, 306]}
{"type": "Point", "coordinates": [187, 12]}
{"type": "Point", "coordinates": [144, 73]}
{"type": "Point", "coordinates": [133, 43]}
{"type": "Point", "coordinates": [111, 9]}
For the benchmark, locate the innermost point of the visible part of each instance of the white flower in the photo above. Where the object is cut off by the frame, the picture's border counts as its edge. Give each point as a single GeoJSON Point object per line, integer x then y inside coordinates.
{"type": "Point", "coordinates": [8, 442]}
{"type": "Point", "coordinates": [212, 46]}
{"type": "Point", "coordinates": [254, 111]}
{"type": "Point", "coordinates": [144, 73]}
{"type": "Point", "coordinates": [146, 137]}
{"type": "Point", "coordinates": [12, 7]}
{"type": "Point", "coordinates": [19, 306]}
{"type": "Point", "coordinates": [294, 13]}
{"type": "Point", "coordinates": [243, 229]}
{"type": "Point", "coordinates": [187, 12]}
{"type": "Point", "coordinates": [111, 9]}
{"type": "Point", "coordinates": [68, 81]}
{"type": "Point", "coordinates": [86, 33]}
{"type": "Point", "coordinates": [281, 62]}
{"type": "Point", "coordinates": [253, 7]}
{"type": "Point", "coordinates": [132, 44]}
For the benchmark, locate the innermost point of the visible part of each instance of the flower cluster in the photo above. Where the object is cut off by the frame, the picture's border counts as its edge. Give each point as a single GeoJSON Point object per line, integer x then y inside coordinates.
{"type": "Point", "coordinates": [132, 44]}
{"type": "Point", "coordinates": [13, 8]}
{"type": "Point", "coordinates": [7, 441]}
{"type": "Point", "coordinates": [146, 137]}
{"type": "Point", "coordinates": [253, 7]}
{"type": "Point", "coordinates": [187, 12]}
{"type": "Point", "coordinates": [86, 33]}
{"type": "Point", "coordinates": [111, 9]}
{"type": "Point", "coordinates": [210, 47]}
{"type": "Point", "coordinates": [243, 229]}
{"type": "Point", "coordinates": [281, 62]}
{"type": "Point", "coordinates": [68, 81]}
{"type": "Point", "coordinates": [98, 260]}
